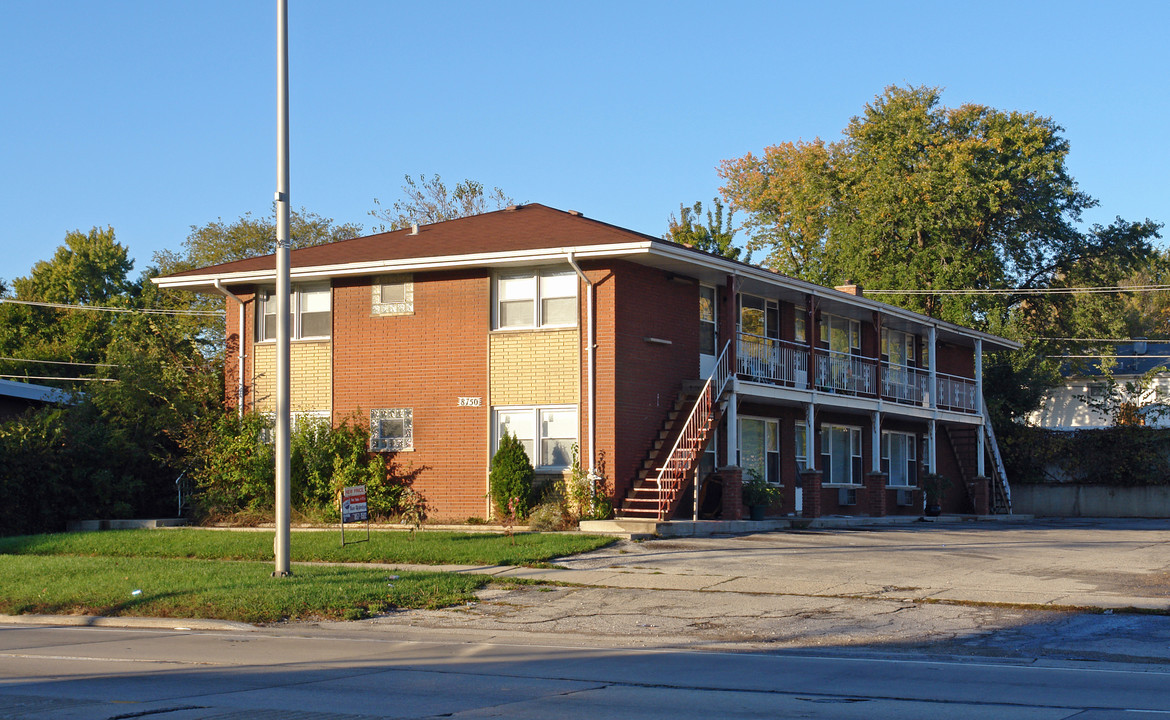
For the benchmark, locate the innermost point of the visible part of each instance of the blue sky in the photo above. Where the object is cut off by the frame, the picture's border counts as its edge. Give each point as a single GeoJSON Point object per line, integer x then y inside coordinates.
{"type": "Point", "coordinates": [152, 116]}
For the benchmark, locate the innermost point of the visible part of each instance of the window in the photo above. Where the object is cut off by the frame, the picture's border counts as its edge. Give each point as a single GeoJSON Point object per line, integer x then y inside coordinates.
{"type": "Point", "coordinates": [898, 347]}
{"type": "Point", "coordinates": [707, 340]}
{"type": "Point", "coordinates": [841, 454]}
{"type": "Point", "coordinates": [759, 447]}
{"type": "Point", "coordinates": [898, 459]}
{"type": "Point", "coordinates": [800, 325]}
{"type": "Point", "coordinates": [840, 334]}
{"type": "Point", "coordinates": [547, 433]}
{"type": "Point", "coordinates": [392, 430]}
{"type": "Point", "coordinates": [309, 422]}
{"type": "Point", "coordinates": [310, 315]}
{"type": "Point", "coordinates": [393, 295]}
{"type": "Point", "coordinates": [759, 316]}
{"type": "Point", "coordinates": [533, 299]}
{"type": "Point", "coordinates": [801, 453]}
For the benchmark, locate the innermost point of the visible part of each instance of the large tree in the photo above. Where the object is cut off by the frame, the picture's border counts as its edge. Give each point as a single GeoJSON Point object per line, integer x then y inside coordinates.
{"type": "Point", "coordinates": [427, 200]}
{"type": "Point", "coordinates": [919, 198]}
{"type": "Point", "coordinates": [716, 236]}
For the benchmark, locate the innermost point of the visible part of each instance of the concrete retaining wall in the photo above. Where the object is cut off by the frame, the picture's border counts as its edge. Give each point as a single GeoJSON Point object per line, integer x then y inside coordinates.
{"type": "Point", "coordinates": [1073, 500]}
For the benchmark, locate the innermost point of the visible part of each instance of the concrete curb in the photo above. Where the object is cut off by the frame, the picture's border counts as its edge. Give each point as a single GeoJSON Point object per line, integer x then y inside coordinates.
{"type": "Point", "coordinates": [125, 622]}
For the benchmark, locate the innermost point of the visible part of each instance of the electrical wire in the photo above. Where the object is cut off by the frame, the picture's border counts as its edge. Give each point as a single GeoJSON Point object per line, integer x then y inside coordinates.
{"type": "Point", "coordinates": [1026, 291]}
{"type": "Point", "coordinates": [51, 377]}
{"type": "Point", "coordinates": [58, 362]}
{"type": "Point", "coordinates": [141, 311]}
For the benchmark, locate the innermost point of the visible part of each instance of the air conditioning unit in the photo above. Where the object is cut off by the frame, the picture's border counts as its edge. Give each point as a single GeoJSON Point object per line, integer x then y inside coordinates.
{"type": "Point", "coordinates": [905, 498]}
{"type": "Point", "coordinates": [847, 496]}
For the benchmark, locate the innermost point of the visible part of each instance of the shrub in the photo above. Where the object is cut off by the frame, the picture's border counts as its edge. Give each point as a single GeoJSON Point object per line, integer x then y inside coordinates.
{"type": "Point", "coordinates": [1119, 456]}
{"type": "Point", "coordinates": [511, 478]}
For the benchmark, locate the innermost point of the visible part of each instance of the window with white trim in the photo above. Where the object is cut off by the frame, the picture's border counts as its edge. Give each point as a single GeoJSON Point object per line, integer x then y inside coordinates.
{"type": "Point", "coordinates": [546, 432]}
{"type": "Point", "coordinates": [899, 459]}
{"type": "Point", "coordinates": [898, 347]}
{"type": "Point", "coordinates": [759, 316]}
{"type": "Point", "coordinates": [759, 447]}
{"type": "Point", "coordinates": [535, 299]}
{"type": "Point", "coordinates": [391, 429]}
{"type": "Point", "coordinates": [800, 325]}
{"type": "Point", "coordinates": [393, 295]}
{"type": "Point", "coordinates": [840, 334]}
{"type": "Point", "coordinates": [801, 450]}
{"type": "Point", "coordinates": [841, 454]}
{"type": "Point", "coordinates": [312, 422]}
{"type": "Point", "coordinates": [310, 314]}
{"type": "Point", "coordinates": [707, 320]}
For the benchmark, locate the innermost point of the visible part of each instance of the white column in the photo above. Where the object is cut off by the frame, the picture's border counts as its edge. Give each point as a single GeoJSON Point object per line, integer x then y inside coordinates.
{"type": "Point", "coordinates": [933, 367]}
{"type": "Point", "coordinates": [810, 442]}
{"type": "Point", "coordinates": [980, 432]}
{"type": "Point", "coordinates": [732, 427]}
{"type": "Point", "coordinates": [979, 376]}
{"type": "Point", "coordinates": [932, 447]}
{"type": "Point", "coordinates": [876, 442]}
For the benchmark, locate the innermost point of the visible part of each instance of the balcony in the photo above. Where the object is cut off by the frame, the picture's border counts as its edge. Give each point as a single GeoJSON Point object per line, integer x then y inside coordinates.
{"type": "Point", "coordinates": [786, 364]}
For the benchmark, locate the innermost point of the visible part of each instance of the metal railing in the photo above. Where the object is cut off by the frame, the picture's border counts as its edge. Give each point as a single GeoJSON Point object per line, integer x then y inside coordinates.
{"type": "Point", "coordinates": [770, 360]}
{"type": "Point", "coordinates": [693, 437]}
{"type": "Point", "coordinates": [844, 373]}
{"type": "Point", "coordinates": [906, 385]}
{"type": "Point", "coordinates": [956, 393]}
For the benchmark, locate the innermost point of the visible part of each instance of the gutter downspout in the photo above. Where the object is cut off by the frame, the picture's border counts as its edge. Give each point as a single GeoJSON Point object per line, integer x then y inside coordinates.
{"type": "Point", "coordinates": [241, 355]}
{"type": "Point", "coordinates": [590, 344]}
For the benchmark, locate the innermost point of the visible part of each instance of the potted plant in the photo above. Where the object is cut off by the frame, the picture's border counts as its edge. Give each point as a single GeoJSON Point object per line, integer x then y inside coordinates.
{"type": "Point", "coordinates": [758, 494]}
{"type": "Point", "coordinates": [935, 486]}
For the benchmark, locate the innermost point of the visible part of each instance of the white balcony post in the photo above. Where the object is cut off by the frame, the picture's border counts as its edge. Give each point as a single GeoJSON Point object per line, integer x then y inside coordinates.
{"type": "Point", "coordinates": [876, 442]}
{"type": "Point", "coordinates": [932, 387]}
{"type": "Point", "coordinates": [932, 447]}
{"type": "Point", "coordinates": [810, 444]}
{"type": "Point", "coordinates": [732, 428]}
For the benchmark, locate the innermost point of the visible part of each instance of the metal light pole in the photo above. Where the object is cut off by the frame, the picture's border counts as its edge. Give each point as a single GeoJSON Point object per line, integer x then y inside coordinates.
{"type": "Point", "coordinates": [283, 349]}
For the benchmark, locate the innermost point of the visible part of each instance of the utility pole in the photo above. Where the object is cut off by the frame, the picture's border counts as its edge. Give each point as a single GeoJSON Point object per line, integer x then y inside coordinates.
{"type": "Point", "coordinates": [283, 346]}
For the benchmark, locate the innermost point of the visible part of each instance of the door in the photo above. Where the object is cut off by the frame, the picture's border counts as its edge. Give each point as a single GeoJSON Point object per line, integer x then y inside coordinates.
{"type": "Point", "coordinates": [708, 331]}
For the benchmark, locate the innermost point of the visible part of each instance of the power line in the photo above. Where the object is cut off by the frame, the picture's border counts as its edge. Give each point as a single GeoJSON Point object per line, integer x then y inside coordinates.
{"type": "Point", "coordinates": [141, 311]}
{"type": "Point", "coordinates": [51, 377]}
{"type": "Point", "coordinates": [58, 362]}
{"type": "Point", "coordinates": [1104, 289]}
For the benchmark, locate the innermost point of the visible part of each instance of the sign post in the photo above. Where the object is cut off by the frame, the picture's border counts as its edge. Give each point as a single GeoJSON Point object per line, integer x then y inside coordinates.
{"type": "Point", "coordinates": [354, 509]}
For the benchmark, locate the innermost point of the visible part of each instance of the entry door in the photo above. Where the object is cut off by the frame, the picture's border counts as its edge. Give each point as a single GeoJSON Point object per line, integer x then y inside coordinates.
{"type": "Point", "coordinates": [708, 331]}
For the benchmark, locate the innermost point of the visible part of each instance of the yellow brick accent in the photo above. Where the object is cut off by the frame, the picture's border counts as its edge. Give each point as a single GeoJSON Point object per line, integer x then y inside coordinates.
{"type": "Point", "coordinates": [535, 368]}
{"type": "Point", "coordinates": [311, 384]}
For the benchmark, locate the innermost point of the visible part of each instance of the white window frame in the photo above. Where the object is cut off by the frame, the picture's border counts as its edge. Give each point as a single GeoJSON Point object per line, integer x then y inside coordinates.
{"type": "Point", "coordinates": [390, 443]}
{"type": "Point", "coordinates": [771, 310]}
{"type": "Point", "coordinates": [850, 326]}
{"type": "Point", "coordinates": [892, 338]}
{"type": "Point", "coordinates": [800, 325]}
{"type": "Point", "coordinates": [296, 417]}
{"type": "Point", "coordinates": [541, 279]}
{"type": "Point", "coordinates": [538, 439]}
{"type": "Point", "coordinates": [827, 445]}
{"type": "Point", "coordinates": [910, 441]}
{"type": "Point", "coordinates": [771, 430]}
{"type": "Point", "coordinates": [713, 321]}
{"type": "Point", "coordinates": [266, 298]}
{"type": "Point", "coordinates": [800, 448]}
{"type": "Point", "coordinates": [381, 307]}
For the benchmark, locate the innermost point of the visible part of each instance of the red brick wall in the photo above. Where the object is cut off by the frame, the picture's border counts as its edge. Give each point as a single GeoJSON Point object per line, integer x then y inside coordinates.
{"type": "Point", "coordinates": [231, 359]}
{"type": "Point", "coordinates": [642, 378]}
{"type": "Point", "coordinates": [424, 361]}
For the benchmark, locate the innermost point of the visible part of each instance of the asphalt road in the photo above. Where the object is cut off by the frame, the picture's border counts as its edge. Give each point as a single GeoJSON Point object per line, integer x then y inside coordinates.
{"type": "Point", "coordinates": [1049, 619]}
{"type": "Point", "coordinates": [72, 672]}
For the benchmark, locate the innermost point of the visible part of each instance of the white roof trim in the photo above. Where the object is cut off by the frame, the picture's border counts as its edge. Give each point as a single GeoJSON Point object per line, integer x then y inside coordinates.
{"type": "Point", "coordinates": [30, 391]}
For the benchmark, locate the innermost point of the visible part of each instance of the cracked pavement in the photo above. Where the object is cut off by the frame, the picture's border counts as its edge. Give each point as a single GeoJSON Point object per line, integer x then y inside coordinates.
{"type": "Point", "coordinates": [1080, 589]}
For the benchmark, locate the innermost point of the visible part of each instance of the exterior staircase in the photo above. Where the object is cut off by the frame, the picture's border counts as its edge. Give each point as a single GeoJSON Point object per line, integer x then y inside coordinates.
{"type": "Point", "coordinates": [964, 443]}
{"type": "Point", "coordinates": [669, 470]}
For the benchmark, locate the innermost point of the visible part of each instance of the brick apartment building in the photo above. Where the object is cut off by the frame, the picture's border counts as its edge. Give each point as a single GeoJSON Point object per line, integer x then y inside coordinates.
{"type": "Point", "coordinates": [564, 330]}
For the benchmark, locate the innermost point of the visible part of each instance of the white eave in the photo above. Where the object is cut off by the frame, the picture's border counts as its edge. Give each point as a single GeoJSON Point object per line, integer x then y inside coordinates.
{"type": "Point", "coordinates": [688, 261]}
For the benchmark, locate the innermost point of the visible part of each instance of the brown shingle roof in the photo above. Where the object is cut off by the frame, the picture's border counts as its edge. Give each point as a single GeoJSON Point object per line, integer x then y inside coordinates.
{"type": "Point", "coordinates": [527, 227]}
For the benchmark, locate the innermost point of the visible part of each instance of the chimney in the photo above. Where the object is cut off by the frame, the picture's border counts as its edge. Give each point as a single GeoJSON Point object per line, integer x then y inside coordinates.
{"type": "Point", "coordinates": [414, 228]}
{"type": "Point", "coordinates": [850, 289]}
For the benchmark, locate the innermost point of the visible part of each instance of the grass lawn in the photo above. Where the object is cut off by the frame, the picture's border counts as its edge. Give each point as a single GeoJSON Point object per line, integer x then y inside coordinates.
{"type": "Point", "coordinates": [244, 591]}
{"type": "Point", "coordinates": [192, 573]}
{"type": "Point", "coordinates": [426, 548]}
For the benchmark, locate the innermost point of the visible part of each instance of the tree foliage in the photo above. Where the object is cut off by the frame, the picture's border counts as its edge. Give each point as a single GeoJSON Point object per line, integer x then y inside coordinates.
{"type": "Point", "coordinates": [511, 478]}
{"type": "Point", "coordinates": [920, 197]}
{"type": "Point", "coordinates": [427, 200]}
{"type": "Point", "coordinates": [715, 237]}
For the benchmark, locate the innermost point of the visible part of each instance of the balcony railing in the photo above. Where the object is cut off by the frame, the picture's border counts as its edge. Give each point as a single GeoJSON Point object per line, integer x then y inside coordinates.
{"type": "Point", "coordinates": [844, 373]}
{"type": "Point", "coordinates": [780, 362]}
{"type": "Point", "coordinates": [773, 361]}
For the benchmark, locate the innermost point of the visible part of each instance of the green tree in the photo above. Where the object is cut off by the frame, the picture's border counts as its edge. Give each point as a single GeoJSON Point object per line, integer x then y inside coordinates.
{"type": "Point", "coordinates": [510, 477]}
{"type": "Point", "coordinates": [917, 197]}
{"type": "Point", "coordinates": [427, 200]}
{"type": "Point", "coordinates": [715, 237]}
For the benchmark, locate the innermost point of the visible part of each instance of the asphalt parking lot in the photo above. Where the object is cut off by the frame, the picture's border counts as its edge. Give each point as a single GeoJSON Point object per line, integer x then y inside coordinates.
{"type": "Point", "coordinates": [1083, 589]}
